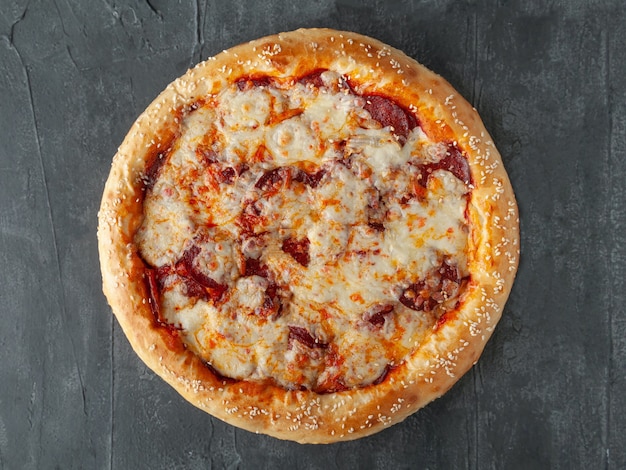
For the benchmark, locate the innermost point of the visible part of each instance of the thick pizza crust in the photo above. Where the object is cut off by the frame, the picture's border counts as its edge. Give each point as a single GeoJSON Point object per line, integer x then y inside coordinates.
{"type": "Point", "coordinates": [454, 345]}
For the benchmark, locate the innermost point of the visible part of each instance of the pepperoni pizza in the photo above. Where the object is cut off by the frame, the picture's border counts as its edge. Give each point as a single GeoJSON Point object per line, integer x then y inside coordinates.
{"type": "Point", "coordinates": [309, 236]}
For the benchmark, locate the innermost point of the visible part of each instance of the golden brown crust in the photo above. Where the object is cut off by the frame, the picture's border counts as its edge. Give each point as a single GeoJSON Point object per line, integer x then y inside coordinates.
{"type": "Point", "coordinates": [454, 345]}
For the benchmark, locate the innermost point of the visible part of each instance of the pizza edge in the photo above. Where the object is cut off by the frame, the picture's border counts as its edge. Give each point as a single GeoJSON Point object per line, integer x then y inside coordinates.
{"type": "Point", "coordinates": [442, 359]}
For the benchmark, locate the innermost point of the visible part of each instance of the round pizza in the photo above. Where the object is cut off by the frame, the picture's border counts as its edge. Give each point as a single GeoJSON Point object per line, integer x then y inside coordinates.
{"type": "Point", "coordinates": [309, 236]}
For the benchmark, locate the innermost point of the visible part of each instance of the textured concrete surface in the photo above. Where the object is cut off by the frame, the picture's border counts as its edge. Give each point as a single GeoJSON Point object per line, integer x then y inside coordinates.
{"type": "Point", "coordinates": [548, 79]}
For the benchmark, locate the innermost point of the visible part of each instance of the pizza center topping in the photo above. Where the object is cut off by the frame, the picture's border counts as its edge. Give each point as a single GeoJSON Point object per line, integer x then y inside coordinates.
{"type": "Point", "coordinates": [303, 233]}
{"type": "Point", "coordinates": [441, 285]}
{"type": "Point", "coordinates": [299, 249]}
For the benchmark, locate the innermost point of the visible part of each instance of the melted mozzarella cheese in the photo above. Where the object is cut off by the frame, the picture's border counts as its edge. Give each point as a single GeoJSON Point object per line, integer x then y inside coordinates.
{"type": "Point", "coordinates": [245, 110]}
{"type": "Point", "coordinates": [218, 256]}
{"type": "Point", "coordinates": [379, 149]}
{"type": "Point", "coordinates": [422, 232]}
{"type": "Point", "coordinates": [368, 235]}
{"type": "Point", "coordinates": [327, 240]}
{"type": "Point", "coordinates": [341, 197]}
{"type": "Point", "coordinates": [250, 292]}
{"type": "Point", "coordinates": [363, 357]}
{"type": "Point", "coordinates": [288, 208]}
{"type": "Point", "coordinates": [168, 224]}
{"type": "Point", "coordinates": [330, 114]}
{"type": "Point", "coordinates": [241, 120]}
{"type": "Point", "coordinates": [291, 141]}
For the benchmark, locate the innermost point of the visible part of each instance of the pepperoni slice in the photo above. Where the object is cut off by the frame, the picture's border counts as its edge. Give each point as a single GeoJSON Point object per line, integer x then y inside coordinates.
{"type": "Point", "coordinates": [379, 227]}
{"type": "Point", "coordinates": [272, 180]}
{"type": "Point", "coordinates": [154, 169]}
{"type": "Point", "coordinates": [334, 381]}
{"type": "Point", "coordinates": [390, 114]}
{"type": "Point", "coordinates": [247, 83]}
{"type": "Point", "coordinates": [439, 286]}
{"type": "Point", "coordinates": [272, 306]}
{"type": "Point", "coordinates": [162, 273]}
{"type": "Point", "coordinates": [158, 155]}
{"type": "Point", "coordinates": [227, 175]}
{"type": "Point", "coordinates": [454, 162]}
{"type": "Point", "coordinates": [172, 339]}
{"type": "Point", "coordinates": [297, 333]}
{"type": "Point", "coordinates": [153, 293]}
{"type": "Point", "coordinates": [198, 284]}
{"type": "Point", "coordinates": [254, 267]}
{"type": "Point", "coordinates": [206, 154]}
{"type": "Point", "coordinates": [298, 249]}
{"type": "Point", "coordinates": [332, 385]}
{"type": "Point", "coordinates": [447, 271]}
{"type": "Point", "coordinates": [416, 297]}
{"type": "Point", "coordinates": [381, 378]}
{"type": "Point", "coordinates": [248, 222]}
{"type": "Point", "coordinates": [377, 315]}
{"type": "Point", "coordinates": [219, 172]}
{"type": "Point", "coordinates": [310, 179]}
{"type": "Point", "coordinates": [314, 78]}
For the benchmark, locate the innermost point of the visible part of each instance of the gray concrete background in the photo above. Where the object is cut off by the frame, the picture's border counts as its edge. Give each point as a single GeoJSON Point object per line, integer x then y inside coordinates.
{"type": "Point", "coordinates": [549, 80]}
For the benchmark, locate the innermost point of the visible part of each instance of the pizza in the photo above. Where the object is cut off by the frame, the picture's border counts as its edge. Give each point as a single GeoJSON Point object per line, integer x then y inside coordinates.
{"type": "Point", "coordinates": [310, 236]}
